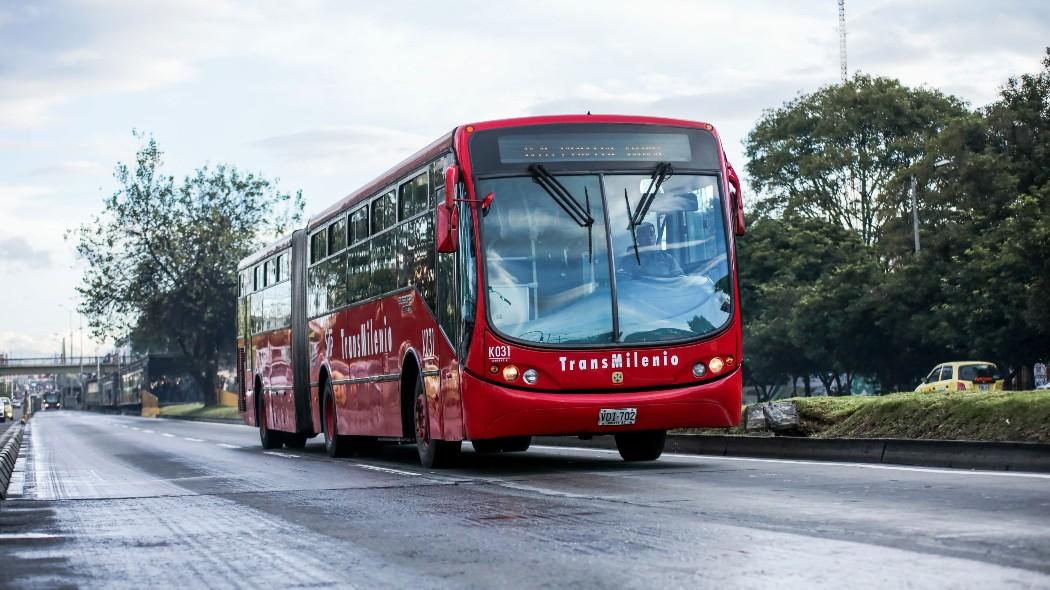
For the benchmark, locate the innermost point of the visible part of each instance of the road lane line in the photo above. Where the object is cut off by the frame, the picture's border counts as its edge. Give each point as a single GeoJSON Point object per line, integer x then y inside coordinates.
{"type": "Point", "coordinates": [148, 430]}
{"type": "Point", "coordinates": [385, 469]}
{"type": "Point", "coordinates": [135, 428]}
{"type": "Point", "coordinates": [167, 435]}
{"type": "Point", "coordinates": [226, 446]}
{"type": "Point", "coordinates": [193, 439]}
{"type": "Point", "coordinates": [277, 454]}
{"type": "Point", "coordinates": [821, 463]}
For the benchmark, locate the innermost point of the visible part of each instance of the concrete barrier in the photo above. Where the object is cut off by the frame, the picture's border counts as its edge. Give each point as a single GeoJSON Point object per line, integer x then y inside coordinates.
{"type": "Point", "coordinates": [996, 456]}
{"type": "Point", "coordinates": [10, 443]}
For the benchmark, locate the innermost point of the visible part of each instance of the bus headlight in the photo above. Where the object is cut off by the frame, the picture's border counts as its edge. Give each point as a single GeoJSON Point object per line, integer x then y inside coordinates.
{"type": "Point", "coordinates": [510, 372]}
{"type": "Point", "coordinates": [699, 370]}
{"type": "Point", "coordinates": [716, 365]}
{"type": "Point", "coordinates": [530, 376]}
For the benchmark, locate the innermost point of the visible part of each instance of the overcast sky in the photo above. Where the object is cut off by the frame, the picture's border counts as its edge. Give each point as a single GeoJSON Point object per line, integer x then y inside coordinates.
{"type": "Point", "coordinates": [325, 95]}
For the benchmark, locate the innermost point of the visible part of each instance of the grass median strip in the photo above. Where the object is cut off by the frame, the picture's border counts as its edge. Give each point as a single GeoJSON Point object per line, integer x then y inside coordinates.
{"type": "Point", "coordinates": [1015, 416]}
{"type": "Point", "coordinates": [199, 410]}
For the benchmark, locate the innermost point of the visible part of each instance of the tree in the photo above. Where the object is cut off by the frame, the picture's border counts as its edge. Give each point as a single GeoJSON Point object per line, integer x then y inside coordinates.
{"type": "Point", "coordinates": [832, 154]}
{"type": "Point", "coordinates": [804, 285]}
{"type": "Point", "coordinates": [162, 257]}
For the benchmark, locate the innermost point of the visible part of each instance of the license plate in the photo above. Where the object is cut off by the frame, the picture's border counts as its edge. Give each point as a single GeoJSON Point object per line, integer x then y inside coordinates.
{"type": "Point", "coordinates": [617, 417]}
{"type": "Point", "coordinates": [984, 387]}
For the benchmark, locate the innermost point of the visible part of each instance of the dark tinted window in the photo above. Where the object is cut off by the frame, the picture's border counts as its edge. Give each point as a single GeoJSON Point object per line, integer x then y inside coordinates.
{"type": "Point", "coordinates": [257, 278]}
{"type": "Point", "coordinates": [359, 225]}
{"type": "Point", "coordinates": [359, 272]}
{"type": "Point", "coordinates": [437, 177]}
{"type": "Point", "coordinates": [417, 261]}
{"type": "Point", "coordinates": [337, 236]}
{"type": "Point", "coordinates": [284, 267]}
{"type": "Point", "coordinates": [384, 263]}
{"type": "Point", "coordinates": [971, 372]}
{"type": "Point", "coordinates": [318, 246]}
{"type": "Point", "coordinates": [414, 196]}
{"type": "Point", "coordinates": [384, 212]}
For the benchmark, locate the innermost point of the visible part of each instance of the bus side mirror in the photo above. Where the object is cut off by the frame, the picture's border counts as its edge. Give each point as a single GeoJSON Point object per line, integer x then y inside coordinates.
{"type": "Point", "coordinates": [737, 201]}
{"type": "Point", "coordinates": [447, 217]}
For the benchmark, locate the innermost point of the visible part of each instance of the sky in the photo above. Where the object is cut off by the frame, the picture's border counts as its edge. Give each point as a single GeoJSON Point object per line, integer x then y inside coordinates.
{"type": "Point", "coordinates": [326, 95]}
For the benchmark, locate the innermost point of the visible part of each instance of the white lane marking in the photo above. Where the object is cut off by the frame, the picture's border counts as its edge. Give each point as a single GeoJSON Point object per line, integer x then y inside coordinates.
{"type": "Point", "coordinates": [16, 536]}
{"type": "Point", "coordinates": [167, 435]}
{"type": "Point", "coordinates": [148, 430]}
{"type": "Point", "coordinates": [193, 439]}
{"type": "Point", "coordinates": [135, 428]}
{"type": "Point", "coordinates": [277, 454]}
{"type": "Point", "coordinates": [831, 463]}
{"type": "Point", "coordinates": [385, 469]}
{"type": "Point", "coordinates": [226, 446]}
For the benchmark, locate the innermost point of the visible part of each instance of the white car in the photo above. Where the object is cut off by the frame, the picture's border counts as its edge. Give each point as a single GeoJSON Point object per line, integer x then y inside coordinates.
{"type": "Point", "coordinates": [1044, 386]}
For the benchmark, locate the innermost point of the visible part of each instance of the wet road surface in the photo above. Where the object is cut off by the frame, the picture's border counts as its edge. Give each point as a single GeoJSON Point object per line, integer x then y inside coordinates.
{"type": "Point", "coordinates": [125, 502]}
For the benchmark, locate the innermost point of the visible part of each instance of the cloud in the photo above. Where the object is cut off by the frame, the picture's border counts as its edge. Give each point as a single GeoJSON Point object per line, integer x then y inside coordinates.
{"type": "Point", "coordinates": [16, 253]}
{"type": "Point", "coordinates": [343, 150]}
{"type": "Point", "coordinates": [70, 168]}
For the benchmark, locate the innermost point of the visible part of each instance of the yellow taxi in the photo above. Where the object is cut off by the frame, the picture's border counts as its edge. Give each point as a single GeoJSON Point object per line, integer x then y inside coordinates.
{"type": "Point", "coordinates": [962, 376]}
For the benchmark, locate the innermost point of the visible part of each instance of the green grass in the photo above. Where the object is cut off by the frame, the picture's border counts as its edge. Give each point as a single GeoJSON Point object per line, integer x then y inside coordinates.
{"type": "Point", "coordinates": [197, 410]}
{"type": "Point", "coordinates": [1022, 416]}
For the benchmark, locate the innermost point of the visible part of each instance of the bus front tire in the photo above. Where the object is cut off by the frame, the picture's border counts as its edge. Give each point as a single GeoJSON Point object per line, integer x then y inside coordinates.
{"type": "Point", "coordinates": [334, 444]}
{"type": "Point", "coordinates": [432, 453]}
{"type": "Point", "coordinates": [641, 446]}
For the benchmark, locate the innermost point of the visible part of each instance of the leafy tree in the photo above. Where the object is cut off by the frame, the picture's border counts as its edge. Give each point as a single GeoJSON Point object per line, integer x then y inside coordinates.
{"type": "Point", "coordinates": [162, 256]}
{"type": "Point", "coordinates": [833, 154]}
{"type": "Point", "coordinates": [803, 294]}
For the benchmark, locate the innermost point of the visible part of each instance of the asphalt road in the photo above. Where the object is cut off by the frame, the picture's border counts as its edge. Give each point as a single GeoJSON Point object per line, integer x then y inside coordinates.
{"type": "Point", "coordinates": [129, 502]}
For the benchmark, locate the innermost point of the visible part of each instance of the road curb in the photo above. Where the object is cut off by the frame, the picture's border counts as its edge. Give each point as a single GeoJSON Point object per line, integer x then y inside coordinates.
{"type": "Point", "coordinates": [994, 456]}
{"type": "Point", "coordinates": [10, 443]}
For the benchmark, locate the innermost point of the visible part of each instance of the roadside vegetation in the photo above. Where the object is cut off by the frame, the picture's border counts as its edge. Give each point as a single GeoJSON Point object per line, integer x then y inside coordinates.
{"type": "Point", "coordinates": [199, 410]}
{"type": "Point", "coordinates": [1016, 416]}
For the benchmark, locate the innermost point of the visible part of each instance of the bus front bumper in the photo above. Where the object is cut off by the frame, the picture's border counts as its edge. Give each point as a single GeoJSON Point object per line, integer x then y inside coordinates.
{"type": "Point", "coordinates": [493, 411]}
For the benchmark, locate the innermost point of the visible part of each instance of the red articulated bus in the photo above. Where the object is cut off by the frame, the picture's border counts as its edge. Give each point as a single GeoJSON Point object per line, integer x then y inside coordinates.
{"type": "Point", "coordinates": [568, 275]}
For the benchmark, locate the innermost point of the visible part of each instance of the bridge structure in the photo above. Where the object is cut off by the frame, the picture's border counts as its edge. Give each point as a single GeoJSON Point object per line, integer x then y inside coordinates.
{"type": "Point", "coordinates": [69, 365]}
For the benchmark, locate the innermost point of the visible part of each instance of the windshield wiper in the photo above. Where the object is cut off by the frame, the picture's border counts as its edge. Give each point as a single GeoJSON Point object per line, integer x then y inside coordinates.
{"type": "Point", "coordinates": [660, 175]}
{"type": "Point", "coordinates": [568, 203]}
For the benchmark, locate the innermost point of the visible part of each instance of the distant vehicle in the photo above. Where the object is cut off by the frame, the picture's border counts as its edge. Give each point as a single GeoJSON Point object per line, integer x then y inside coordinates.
{"type": "Point", "coordinates": [962, 376]}
{"type": "Point", "coordinates": [7, 409]}
{"type": "Point", "coordinates": [1044, 386]}
{"type": "Point", "coordinates": [52, 401]}
{"type": "Point", "coordinates": [569, 275]}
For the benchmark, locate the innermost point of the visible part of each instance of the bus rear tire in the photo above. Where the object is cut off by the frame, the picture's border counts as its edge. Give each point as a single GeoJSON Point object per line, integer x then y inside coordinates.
{"type": "Point", "coordinates": [647, 445]}
{"type": "Point", "coordinates": [334, 444]}
{"type": "Point", "coordinates": [432, 453]}
{"type": "Point", "coordinates": [269, 439]}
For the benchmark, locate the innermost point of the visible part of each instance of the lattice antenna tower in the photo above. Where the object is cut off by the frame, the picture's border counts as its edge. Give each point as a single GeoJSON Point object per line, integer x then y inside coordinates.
{"type": "Point", "coordinates": [842, 40]}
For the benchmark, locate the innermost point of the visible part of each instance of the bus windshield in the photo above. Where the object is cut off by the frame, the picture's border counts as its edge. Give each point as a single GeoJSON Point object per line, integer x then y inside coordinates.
{"type": "Point", "coordinates": [623, 277]}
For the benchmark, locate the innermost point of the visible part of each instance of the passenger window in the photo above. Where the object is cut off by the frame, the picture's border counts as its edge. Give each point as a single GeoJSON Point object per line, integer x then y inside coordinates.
{"type": "Point", "coordinates": [384, 212]}
{"type": "Point", "coordinates": [257, 278]}
{"type": "Point", "coordinates": [318, 247]}
{"type": "Point", "coordinates": [284, 270]}
{"type": "Point", "coordinates": [414, 196]}
{"type": "Point", "coordinates": [337, 237]}
{"type": "Point", "coordinates": [271, 273]}
{"type": "Point", "coordinates": [359, 225]}
{"type": "Point", "coordinates": [946, 374]}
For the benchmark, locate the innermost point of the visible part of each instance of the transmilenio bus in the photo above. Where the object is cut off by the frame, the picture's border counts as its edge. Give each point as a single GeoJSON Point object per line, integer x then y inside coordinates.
{"type": "Point", "coordinates": [569, 275]}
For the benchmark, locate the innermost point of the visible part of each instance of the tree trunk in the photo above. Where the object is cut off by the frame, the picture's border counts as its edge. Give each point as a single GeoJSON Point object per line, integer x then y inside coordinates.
{"type": "Point", "coordinates": [809, 387]}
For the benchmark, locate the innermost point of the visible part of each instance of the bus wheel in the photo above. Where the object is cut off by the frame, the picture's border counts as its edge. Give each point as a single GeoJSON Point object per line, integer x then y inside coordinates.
{"type": "Point", "coordinates": [432, 453]}
{"type": "Point", "coordinates": [510, 444]}
{"type": "Point", "coordinates": [641, 446]}
{"type": "Point", "coordinates": [334, 444]}
{"type": "Point", "coordinates": [295, 441]}
{"type": "Point", "coordinates": [270, 439]}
